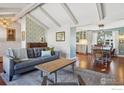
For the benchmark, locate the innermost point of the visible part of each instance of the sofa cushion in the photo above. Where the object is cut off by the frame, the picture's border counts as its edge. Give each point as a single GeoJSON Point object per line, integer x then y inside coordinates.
{"type": "Point", "coordinates": [17, 60]}
{"type": "Point", "coordinates": [28, 63]}
{"type": "Point", "coordinates": [20, 53]}
{"type": "Point", "coordinates": [37, 52]}
{"type": "Point", "coordinates": [30, 53]}
{"type": "Point", "coordinates": [49, 58]}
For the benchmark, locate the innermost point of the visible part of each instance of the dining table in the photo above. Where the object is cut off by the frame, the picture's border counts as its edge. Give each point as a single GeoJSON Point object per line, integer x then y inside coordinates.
{"type": "Point", "coordinates": [106, 48]}
{"type": "Point", "coordinates": [106, 51]}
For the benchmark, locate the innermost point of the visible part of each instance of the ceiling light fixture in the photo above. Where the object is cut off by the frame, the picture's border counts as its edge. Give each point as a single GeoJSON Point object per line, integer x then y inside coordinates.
{"type": "Point", "coordinates": [101, 35]}
{"type": "Point", "coordinates": [5, 22]}
{"type": "Point", "coordinates": [101, 26]}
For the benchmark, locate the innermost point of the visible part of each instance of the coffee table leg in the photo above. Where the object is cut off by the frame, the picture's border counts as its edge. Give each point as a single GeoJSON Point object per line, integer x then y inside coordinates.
{"type": "Point", "coordinates": [73, 68]}
{"type": "Point", "coordinates": [56, 77]}
{"type": "Point", "coordinates": [41, 73]}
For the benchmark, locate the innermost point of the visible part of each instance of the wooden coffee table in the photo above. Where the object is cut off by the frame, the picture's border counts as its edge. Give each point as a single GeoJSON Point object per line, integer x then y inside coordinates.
{"type": "Point", "coordinates": [54, 66]}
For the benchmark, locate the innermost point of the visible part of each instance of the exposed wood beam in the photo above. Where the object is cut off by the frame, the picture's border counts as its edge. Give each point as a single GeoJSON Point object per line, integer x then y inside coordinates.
{"type": "Point", "coordinates": [37, 21]}
{"type": "Point", "coordinates": [69, 12]}
{"type": "Point", "coordinates": [49, 16]}
{"type": "Point", "coordinates": [100, 9]}
{"type": "Point", "coordinates": [26, 10]}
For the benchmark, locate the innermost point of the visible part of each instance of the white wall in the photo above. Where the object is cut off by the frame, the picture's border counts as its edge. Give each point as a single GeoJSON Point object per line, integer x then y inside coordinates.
{"type": "Point", "coordinates": [4, 44]}
{"type": "Point", "coordinates": [64, 47]}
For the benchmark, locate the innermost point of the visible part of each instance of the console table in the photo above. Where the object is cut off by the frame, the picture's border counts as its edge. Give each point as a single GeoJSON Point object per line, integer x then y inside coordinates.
{"type": "Point", "coordinates": [35, 44]}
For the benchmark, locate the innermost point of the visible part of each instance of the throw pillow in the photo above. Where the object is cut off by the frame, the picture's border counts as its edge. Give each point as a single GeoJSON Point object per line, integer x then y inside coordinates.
{"type": "Point", "coordinates": [52, 50]}
{"type": "Point", "coordinates": [46, 53]}
{"type": "Point", "coordinates": [20, 53]}
{"type": "Point", "coordinates": [37, 52]}
{"type": "Point", "coordinates": [44, 49]}
{"type": "Point", "coordinates": [18, 60]}
{"type": "Point", "coordinates": [30, 53]}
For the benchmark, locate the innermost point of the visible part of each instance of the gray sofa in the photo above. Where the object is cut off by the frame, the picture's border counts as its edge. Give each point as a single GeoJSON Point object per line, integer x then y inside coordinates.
{"type": "Point", "coordinates": [27, 59]}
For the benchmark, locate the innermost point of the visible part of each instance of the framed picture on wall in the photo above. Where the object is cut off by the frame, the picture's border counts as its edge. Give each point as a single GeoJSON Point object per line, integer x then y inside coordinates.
{"type": "Point", "coordinates": [11, 34]}
{"type": "Point", "coordinates": [60, 36]}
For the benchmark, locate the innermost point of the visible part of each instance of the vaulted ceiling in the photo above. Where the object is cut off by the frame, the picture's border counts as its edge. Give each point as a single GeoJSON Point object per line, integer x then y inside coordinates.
{"type": "Point", "coordinates": [10, 10]}
{"type": "Point", "coordinates": [52, 15]}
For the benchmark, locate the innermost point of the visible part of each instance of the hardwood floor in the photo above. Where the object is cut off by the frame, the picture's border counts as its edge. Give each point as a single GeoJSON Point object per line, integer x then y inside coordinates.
{"type": "Point", "coordinates": [116, 67]}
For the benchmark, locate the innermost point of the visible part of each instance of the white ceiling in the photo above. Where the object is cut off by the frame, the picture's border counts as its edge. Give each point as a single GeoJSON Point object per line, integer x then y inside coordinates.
{"type": "Point", "coordinates": [57, 12]}
{"type": "Point", "coordinates": [85, 13]}
{"type": "Point", "coordinates": [42, 18]}
{"type": "Point", "coordinates": [8, 9]}
{"type": "Point", "coordinates": [114, 11]}
{"type": "Point", "coordinates": [12, 5]}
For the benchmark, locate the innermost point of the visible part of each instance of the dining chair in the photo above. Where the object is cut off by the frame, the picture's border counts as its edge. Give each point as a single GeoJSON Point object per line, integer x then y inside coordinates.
{"type": "Point", "coordinates": [98, 55]}
{"type": "Point", "coordinates": [99, 46]}
{"type": "Point", "coordinates": [108, 54]}
{"type": "Point", "coordinates": [80, 82]}
{"type": "Point", "coordinates": [113, 52]}
{"type": "Point", "coordinates": [95, 53]}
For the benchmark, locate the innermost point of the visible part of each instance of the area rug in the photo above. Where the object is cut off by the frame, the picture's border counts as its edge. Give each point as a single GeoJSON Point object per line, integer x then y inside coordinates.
{"type": "Point", "coordinates": [90, 77]}
{"type": "Point", "coordinates": [97, 78]}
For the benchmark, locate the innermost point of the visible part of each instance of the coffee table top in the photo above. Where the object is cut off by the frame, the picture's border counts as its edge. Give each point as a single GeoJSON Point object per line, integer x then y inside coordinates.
{"type": "Point", "coordinates": [55, 65]}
